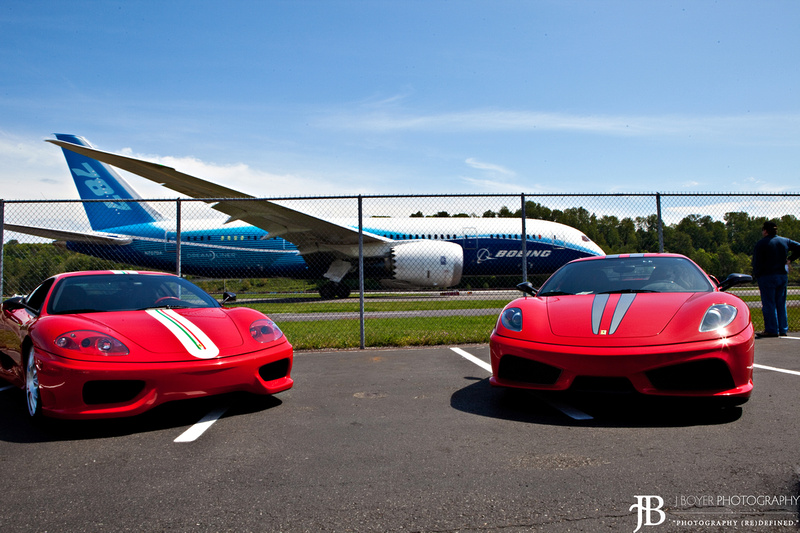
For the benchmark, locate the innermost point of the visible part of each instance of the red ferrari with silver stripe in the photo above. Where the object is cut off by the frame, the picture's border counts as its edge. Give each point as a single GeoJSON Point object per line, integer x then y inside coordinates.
{"type": "Point", "coordinates": [654, 324]}
{"type": "Point", "coordinates": [112, 343]}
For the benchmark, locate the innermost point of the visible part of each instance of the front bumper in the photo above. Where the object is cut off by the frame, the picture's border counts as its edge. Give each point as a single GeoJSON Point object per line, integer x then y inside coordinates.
{"type": "Point", "coordinates": [79, 389]}
{"type": "Point", "coordinates": [713, 368]}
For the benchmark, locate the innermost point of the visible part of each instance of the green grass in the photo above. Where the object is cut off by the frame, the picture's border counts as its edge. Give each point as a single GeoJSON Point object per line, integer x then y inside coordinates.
{"type": "Point", "coordinates": [793, 314]}
{"type": "Point", "coordinates": [416, 331]}
{"type": "Point", "coordinates": [352, 305]}
{"type": "Point", "coordinates": [420, 331]}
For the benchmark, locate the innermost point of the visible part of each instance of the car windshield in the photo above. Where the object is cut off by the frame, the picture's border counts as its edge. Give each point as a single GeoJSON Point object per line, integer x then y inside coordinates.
{"type": "Point", "coordinates": [627, 275]}
{"type": "Point", "coordinates": [125, 292]}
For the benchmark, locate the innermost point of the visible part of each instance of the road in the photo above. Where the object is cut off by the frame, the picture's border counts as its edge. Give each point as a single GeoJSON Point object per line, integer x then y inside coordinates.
{"type": "Point", "coordinates": [413, 440]}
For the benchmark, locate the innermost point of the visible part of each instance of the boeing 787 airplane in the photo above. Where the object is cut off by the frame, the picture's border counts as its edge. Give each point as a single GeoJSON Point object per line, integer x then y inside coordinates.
{"type": "Point", "coordinates": [263, 239]}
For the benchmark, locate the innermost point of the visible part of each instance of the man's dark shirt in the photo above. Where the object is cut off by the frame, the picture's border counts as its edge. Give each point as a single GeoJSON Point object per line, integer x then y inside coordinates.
{"type": "Point", "coordinates": [771, 253]}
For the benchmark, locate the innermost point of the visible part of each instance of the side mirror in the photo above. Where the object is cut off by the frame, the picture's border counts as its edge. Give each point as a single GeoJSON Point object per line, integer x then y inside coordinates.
{"type": "Point", "coordinates": [228, 297]}
{"type": "Point", "coordinates": [735, 279]}
{"type": "Point", "coordinates": [15, 302]}
{"type": "Point", "coordinates": [527, 288]}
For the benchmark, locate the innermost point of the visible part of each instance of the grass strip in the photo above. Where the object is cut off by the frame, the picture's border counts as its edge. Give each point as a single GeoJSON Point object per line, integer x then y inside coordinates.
{"type": "Point", "coordinates": [352, 306]}
{"type": "Point", "coordinates": [421, 331]}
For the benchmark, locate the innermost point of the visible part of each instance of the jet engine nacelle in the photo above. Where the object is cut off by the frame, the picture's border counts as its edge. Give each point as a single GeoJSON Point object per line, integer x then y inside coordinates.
{"type": "Point", "coordinates": [427, 263]}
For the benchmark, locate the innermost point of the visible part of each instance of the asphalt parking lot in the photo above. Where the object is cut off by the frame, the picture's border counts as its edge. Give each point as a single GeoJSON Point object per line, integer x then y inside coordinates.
{"type": "Point", "coordinates": [413, 440]}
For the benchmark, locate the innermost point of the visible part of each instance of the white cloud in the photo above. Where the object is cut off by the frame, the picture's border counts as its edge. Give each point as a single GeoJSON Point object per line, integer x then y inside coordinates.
{"type": "Point", "coordinates": [474, 163]}
{"type": "Point", "coordinates": [32, 170]}
{"type": "Point", "coordinates": [780, 129]}
{"type": "Point", "coordinates": [493, 186]}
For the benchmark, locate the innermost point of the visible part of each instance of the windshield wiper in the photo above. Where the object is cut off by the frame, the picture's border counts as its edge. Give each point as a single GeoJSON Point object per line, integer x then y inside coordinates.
{"type": "Point", "coordinates": [555, 293]}
{"type": "Point", "coordinates": [627, 291]}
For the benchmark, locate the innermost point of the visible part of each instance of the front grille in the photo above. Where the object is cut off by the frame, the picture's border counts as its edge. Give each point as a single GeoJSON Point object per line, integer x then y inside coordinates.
{"type": "Point", "coordinates": [602, 384]}
{"type": "Point", "coordinates": [513, 368]}
{"type": "Point", "coordinates": [275, 370]}
{"type": "Point", "coordinates": [704, 375]}
{"type": "Point", "coordinates": [111, 391]}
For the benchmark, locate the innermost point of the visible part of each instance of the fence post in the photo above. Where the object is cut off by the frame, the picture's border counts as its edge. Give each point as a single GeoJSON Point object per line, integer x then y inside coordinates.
{"type": "Point", "coordinates": [178, 237]}
{"type": "Point", "coordinates": [524, 242]}
{"type": "Point", "coordinates": [362, 343]}
{"type": "Point", "coordinates": [660, 224]}
{"type": "Point", "coordinates": [2, 243]}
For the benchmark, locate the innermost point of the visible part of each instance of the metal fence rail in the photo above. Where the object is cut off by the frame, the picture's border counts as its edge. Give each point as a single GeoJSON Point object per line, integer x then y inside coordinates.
{"type": "Point", "coordinates": [718, 231]}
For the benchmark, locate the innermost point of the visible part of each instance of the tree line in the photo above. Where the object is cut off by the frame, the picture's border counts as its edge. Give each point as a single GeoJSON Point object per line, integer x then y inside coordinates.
{"type": "Point", "coordinates": [719, 247]}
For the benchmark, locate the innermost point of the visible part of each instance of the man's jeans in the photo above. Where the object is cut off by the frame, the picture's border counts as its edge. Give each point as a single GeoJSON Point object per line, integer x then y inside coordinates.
{"type": "Point", "coordinates": [773, 302]}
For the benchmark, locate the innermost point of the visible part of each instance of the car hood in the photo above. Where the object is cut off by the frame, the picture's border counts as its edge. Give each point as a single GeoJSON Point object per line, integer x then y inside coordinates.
{"type": "Point", "coordinates": [184, 334]}
{"type": "Point", "coordinates": [621, 316]}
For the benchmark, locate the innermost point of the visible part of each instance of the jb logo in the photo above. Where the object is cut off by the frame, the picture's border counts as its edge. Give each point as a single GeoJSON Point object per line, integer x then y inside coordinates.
{"type": "Point", "coordinates": [646, 510]}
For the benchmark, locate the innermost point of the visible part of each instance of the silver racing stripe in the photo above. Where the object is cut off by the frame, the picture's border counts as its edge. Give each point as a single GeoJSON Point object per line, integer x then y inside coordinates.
{"type": "Point", "coordinates": [623, 305]}
{"type": "Point", "coordinates": [598, 307]}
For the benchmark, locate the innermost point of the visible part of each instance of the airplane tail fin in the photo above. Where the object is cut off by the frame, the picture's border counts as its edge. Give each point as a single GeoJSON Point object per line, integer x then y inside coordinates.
{"type": "Point", "coordinates": [98, 181]}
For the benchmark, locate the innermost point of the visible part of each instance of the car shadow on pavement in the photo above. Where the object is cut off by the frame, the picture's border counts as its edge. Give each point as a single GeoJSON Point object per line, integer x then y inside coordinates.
{"type": "Point", "coordinates": [604, 410]}
{"type": "Point", "coordinates": [18, 427]}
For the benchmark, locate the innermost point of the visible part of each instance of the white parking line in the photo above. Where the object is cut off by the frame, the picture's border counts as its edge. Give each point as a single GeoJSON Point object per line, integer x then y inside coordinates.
{"type": "Point", "coordinates": [469, 357]}
{"type": "Point", "coordinates": [795, 372]}
{"type": "Point", "coordinates": [194, 432]}
{"type": "Point", "coordinates": [568, 410]}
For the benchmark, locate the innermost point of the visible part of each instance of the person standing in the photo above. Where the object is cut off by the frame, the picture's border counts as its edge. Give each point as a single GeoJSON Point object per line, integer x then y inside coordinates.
{"type": "Point", "coordinates": [771, 257]}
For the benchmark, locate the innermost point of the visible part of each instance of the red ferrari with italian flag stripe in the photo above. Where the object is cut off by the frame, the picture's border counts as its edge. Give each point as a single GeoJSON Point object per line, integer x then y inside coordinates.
{"type": "Point", "coordinates": [103, 344]}
{"type": "Point", "coordinates": [653, 324]}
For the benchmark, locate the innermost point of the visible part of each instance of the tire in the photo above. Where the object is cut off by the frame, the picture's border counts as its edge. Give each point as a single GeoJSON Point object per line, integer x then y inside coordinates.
{"type": "Point", "coordinates": [33, 396]}
{"type": "Point", "coordinates": [333, 291]}
{"type": "Point", "coordinates": [326, 291]}
{"type": "Point", "coordinates": [342, 291]}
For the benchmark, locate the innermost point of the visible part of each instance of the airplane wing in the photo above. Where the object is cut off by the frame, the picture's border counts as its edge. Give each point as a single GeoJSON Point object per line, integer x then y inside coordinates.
{"type": "Point", "coordinates": [309, 233]}
{"type": "Point", "coordinates": [74, 236]}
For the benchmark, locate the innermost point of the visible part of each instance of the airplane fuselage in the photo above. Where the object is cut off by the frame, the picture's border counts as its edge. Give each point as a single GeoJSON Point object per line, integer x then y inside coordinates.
{"type": "Point", "coordinates": [269, 238]}
{"type": "Point", "coordinates": [490, 247]}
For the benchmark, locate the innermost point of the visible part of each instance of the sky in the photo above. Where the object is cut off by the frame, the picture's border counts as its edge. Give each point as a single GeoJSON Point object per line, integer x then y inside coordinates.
{"type": "Point", "coordinates": [336, 97]}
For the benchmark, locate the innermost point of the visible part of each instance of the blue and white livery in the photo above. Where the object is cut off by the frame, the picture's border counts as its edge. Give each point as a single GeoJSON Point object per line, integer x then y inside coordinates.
{"type": "Point", "coordinates": [263, 239]}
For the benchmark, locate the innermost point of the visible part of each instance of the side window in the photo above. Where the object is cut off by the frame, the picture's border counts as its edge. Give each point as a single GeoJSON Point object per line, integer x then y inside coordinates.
{"type": "Point", "coordinates": [35, 299]}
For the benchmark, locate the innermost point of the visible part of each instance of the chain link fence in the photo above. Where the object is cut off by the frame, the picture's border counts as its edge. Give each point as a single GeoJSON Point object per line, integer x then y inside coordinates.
{"type": "Point", "coordinates": [323, 301]}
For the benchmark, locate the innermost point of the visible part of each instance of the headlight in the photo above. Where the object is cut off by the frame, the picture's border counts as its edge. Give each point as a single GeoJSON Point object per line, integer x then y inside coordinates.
{"type": "Point", "coordinates": [718, 316]}
{"type": "Point", "coordinates": [91, 343]}
{"type": "Point", "coordinates": [512, 318]}
{"type": "Point", "coordinates": [265, 330]}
